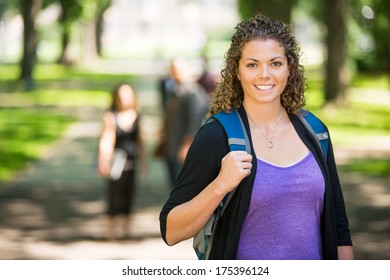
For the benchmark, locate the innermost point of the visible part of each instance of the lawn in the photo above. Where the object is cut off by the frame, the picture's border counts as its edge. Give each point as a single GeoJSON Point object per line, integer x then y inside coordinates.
{"type": "Point", "coordinates": [25, 132]}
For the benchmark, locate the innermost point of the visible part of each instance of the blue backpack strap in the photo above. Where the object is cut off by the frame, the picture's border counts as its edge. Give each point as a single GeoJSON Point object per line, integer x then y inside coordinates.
{"type": "Point", "coordinates": [317, 129]}
{"type": "Point", "coordinates": [235, 130]}
{"type": "Point", "coordinates": [238, 141]}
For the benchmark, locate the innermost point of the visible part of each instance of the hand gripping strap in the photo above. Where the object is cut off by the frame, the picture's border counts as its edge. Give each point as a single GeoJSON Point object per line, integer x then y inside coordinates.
{"type": "Point", "coordinates": [238, 141]}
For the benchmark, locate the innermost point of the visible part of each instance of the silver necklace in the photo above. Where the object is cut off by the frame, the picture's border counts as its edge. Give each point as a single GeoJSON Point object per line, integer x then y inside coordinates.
{"type": "Point", "coordinates": [269, 142]}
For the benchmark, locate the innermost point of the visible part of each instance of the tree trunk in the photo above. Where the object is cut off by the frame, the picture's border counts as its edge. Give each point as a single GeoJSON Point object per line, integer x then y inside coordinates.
{"type": "Point", "coordinates": [99, 24]}
{"type": "Point", "coordinates": [64, 56]}
{"type": "Point", "coordinates": [89, 42]}
{"type": "Point", "coordinates": [336, 12]}
{"type": "Point", "coordinates": [29, 10]}
{"type": "Point", "coordinates": [98, 32]}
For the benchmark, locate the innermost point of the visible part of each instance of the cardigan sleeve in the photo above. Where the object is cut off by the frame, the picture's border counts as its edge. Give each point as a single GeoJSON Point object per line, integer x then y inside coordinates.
{"type": "Point", "coordinates": [200, 168]}
{"type": "Point", "coordinates": [342, 224]}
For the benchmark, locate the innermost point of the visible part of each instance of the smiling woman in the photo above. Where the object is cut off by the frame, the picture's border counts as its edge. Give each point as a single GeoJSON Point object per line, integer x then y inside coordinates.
{"type": "Point", "coordinates": [290, 204]}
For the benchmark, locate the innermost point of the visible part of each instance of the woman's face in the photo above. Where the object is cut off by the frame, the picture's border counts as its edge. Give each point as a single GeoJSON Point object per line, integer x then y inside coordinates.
{"type": "Point", "coordinates": [263, 71]}
{"type": "Point", "coordinates": [126, 97]}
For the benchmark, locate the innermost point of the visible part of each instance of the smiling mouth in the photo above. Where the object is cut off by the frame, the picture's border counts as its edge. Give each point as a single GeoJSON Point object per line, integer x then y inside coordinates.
{"type": "Point", "coordinates": [264, 87]}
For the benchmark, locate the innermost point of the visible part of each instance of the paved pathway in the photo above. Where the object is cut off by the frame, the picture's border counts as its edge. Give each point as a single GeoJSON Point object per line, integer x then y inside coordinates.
{"type": "Point", "coordinates": [55, 209]}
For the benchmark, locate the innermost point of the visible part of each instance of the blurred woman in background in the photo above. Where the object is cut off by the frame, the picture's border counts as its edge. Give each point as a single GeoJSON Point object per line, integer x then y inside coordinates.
{"type": "Point", "coordinates": [121, 137]}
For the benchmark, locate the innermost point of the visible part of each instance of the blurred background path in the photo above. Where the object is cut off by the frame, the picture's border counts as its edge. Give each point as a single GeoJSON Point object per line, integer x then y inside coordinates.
{"type": "Point", "coordinates": [55, 208]}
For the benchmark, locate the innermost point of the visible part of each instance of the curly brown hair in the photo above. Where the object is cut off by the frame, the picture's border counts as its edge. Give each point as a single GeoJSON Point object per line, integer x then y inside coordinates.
{"type": "Point", "coordinates": [229, 93]}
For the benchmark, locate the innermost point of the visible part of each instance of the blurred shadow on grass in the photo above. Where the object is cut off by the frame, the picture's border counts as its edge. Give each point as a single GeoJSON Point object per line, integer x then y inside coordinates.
{"type": "Point", "coordinates": [366, 187]}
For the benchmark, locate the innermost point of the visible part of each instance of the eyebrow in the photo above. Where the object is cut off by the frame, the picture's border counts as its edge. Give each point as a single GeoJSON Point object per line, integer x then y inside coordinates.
{"type": "Point", "coordinates": [272, 59]}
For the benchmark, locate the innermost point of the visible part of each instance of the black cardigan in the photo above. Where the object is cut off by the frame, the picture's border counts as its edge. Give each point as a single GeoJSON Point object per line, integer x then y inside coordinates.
{"type": "Point", "coordinates": [202, 165]}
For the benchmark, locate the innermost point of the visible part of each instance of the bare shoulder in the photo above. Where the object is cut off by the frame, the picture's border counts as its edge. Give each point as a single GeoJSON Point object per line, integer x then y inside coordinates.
{"type": "Point", "coordinates": [108, 119]}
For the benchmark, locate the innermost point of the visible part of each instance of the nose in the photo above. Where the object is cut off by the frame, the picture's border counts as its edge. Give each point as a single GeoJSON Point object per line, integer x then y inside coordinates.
{"type": "Point", "coordinates": [264, 72]}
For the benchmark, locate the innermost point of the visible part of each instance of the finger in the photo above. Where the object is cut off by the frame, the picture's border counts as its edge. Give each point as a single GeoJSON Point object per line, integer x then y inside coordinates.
{"type": "Point", "coordinates": [246, 165]}
{"type": "Point", "coordinates": [240, 154]}
{"type": "Point", "coordinates": [245, 172]}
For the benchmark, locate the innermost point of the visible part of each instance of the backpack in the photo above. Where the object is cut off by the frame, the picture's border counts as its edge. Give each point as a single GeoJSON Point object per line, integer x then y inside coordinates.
{"type": "Point", "coordinates": [238, 141]}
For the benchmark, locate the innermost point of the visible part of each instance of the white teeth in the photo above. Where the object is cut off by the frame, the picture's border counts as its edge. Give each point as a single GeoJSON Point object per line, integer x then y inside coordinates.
{"type": "Point", "coordinates": [262, 87]}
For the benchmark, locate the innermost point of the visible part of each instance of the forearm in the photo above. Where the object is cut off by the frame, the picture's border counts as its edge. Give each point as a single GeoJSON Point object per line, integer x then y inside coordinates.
{"type": "Point", "coordinates": [187, 219]}
{"type": "Point", "coordinates": [345, 252]}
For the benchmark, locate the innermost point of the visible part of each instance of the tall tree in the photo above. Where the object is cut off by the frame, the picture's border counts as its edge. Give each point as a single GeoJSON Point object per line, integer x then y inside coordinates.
{"type": "Point", "coordinates": [4, 5]}
{"type": "Point", "coordinates": [71, 10]}
{"type": "Point", "coordinates": [29, 10]}
{"type": "Point", "coordinates": [102, 6]}
{"type": "Point", "coordinates": [381, 34]}
{"type": "Point", "coordinates": [90, 13]}
{"type": "Point", "coordinates": [336, 13]}
{"type": "Point", "coordinates": [93, 19]}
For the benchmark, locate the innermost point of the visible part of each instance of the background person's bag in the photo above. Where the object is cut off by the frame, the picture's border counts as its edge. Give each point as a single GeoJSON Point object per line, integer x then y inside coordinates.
{"type": "Point", "coordinates": [117, 163]}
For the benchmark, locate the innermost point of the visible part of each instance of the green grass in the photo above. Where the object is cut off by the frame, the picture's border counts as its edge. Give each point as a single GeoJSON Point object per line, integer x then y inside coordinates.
{"type": "Point", "coordinates": [25, 133]}
{"type": "Point", "coordinates": [62, 97]}
{"type": "Point", "coordinates": [372, 167]}
{"type": "Point", "coordinates": [56, 72]}
{"type": "Point", "coordinates": [371, 81]}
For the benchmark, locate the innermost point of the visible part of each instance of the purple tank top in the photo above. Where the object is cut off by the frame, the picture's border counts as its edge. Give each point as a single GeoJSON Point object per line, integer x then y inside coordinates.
{"type": "Point", "coordinates": [284, 217]}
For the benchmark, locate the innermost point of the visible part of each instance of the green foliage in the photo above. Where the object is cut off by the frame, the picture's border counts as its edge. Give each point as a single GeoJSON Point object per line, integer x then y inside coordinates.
{"type": "Point", "coordinates": [381, 34]}
{"type": "Point", "coordinates": [248, 8]}
{"type": "Point", "coordinates": [91, 8]}
{"type": "Point", "coordinates": [314, 8]}
{"type": "Point", "coordinates": [71, 10]}
{"type": "Point", "coordinates": [278, 9]}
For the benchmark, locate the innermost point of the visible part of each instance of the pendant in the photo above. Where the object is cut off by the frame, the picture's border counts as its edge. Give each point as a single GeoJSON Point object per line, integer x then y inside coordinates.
{"type": "Point", "coordinates": [270, 144]}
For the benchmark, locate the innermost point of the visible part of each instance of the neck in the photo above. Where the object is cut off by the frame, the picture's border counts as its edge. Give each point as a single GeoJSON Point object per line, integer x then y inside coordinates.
{"type": "Point", "coordinates": [265, 116]}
